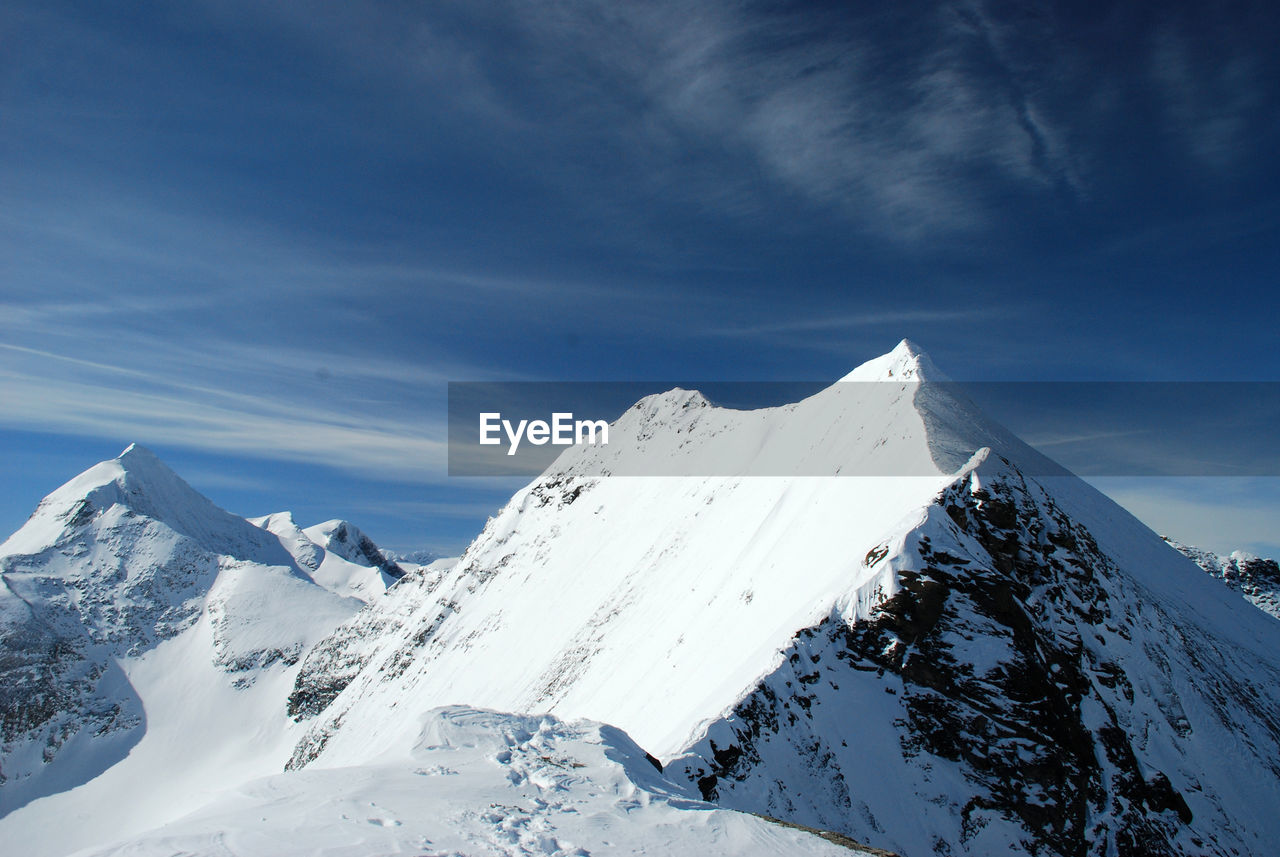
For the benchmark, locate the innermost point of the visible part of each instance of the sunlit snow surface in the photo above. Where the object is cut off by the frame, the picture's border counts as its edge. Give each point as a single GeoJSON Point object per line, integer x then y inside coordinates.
{"type": "Point", "coordinates": [477, 783]}
{"type": "Point", "coordinates": [648, 602]}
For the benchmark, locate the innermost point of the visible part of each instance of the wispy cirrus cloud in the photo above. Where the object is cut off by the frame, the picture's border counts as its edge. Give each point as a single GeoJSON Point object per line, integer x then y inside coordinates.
{"type": "Point", "coordinates": [900, 143]}
{"type": "Point", "coordinates": [263, 427]}
{"type": "Point", "coordinates": [902, 319]}
{"type": "Point", "coordinates": [91, 370]}
{"type": "Point", "coordinates": [895, 119]}
{"type": "Point", "coordinates": [1211, 104]}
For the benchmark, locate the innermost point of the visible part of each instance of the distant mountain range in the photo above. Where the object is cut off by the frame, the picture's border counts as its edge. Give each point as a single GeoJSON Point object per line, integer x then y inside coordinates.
{"type": "Point", "coordinates": [973, 658]}
{"type": "Point", "coordinates": [1255, 578]}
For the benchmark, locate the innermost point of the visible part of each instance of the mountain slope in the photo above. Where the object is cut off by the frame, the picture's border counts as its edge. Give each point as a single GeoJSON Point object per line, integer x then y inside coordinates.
{"type": "Point", "coordinates": [589, 596]}
{"type": "Point", "coordinates": [1032, 671]}
{"type": "Point", "coordinates": [883, 616]}
{"type": "Point", "coordinates": [1028, 694]}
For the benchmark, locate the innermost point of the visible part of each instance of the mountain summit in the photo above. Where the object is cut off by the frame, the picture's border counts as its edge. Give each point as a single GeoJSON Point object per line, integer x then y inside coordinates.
{"type": "Point", "coordinates": [949, 653]}
{"type": "Point", "coordinates": [906, 362]}
{"type": "Point", "coordinates": [140, 482]}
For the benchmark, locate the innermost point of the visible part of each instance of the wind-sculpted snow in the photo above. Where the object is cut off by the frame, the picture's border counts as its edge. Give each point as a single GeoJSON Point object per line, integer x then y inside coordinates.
{"type": "Point", "coordinates": [480, 783]}
{"type": "Point", "coordinates": [1255, 578]}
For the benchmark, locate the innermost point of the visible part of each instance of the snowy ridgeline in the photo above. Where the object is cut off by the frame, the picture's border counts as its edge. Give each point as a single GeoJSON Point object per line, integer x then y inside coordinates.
{"type": "Point", "coordinates": [967, 660]}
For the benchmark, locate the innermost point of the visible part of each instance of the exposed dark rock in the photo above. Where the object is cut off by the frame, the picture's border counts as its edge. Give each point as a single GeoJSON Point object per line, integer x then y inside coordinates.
{"type": "Point", "coordinates": [990, 650]}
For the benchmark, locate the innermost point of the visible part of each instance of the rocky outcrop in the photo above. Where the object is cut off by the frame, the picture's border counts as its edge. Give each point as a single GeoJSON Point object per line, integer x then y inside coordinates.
{"type": "Point", "coordinates": [1255, 578]}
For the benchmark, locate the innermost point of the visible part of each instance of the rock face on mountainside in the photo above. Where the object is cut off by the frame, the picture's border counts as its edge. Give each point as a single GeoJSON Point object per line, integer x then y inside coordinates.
{"type": "Point", "coordinates": [949, 655]}
{"type": "Point", "coordinates": [1255, 578]}
{"type": "Point", "coordinates": [347, 541]}
{"type": "Point", "coordinates": [1036, 699]}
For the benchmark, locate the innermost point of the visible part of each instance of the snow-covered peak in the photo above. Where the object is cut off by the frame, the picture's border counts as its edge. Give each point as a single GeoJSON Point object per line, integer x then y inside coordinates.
{"type": "Point", "coordinates": [342, 538]}
{"type": "Point", "coordinates": [127, 563]}
{"type": "Point", "coordinates": [906, 362]}
{"type": "Point", "coordinates": [138, 481]}
{"type": "Point", "coordinates": [671, 411]}
{"type": "Point", "coordinates": [677, 399]}
{"type": "Point", "coordinates": [307, 553]}
{"type": "Point", "coordinates": [412, 558]}
{"type": "Point", "coordinates": [347, 541]}
{"type": "Point", "coordinates": [336, 555]}
{"type": "Point", "coordinates": [894, 415]}
{"type": "Point", "coordinates": [137, 455]}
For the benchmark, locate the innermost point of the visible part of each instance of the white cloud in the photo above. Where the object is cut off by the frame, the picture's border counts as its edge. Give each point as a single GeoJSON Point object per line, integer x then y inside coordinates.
{"type": "Point", "coordinates": [412, 450]}
{"type": "Point", "coordinates": [899, 139]}
{"type": "Point", "coordinates": [853, 321]}
{"type": "Point", "coordinates": [892, 149]}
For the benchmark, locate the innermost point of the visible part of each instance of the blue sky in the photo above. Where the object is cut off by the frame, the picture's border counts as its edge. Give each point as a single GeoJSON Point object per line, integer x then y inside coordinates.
{"type": "Point", "coordinates": [261, 237]}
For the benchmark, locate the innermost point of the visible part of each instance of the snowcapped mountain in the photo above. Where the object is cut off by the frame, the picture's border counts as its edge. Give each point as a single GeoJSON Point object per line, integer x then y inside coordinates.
{"type": "Point", "coordinates": [411, 558]}
{"type": "Point", "coordinates": [336, 555]}
{"type": "Point", "coordinates": [347, 541]}
{"type": "Point", "coordinates": [967, 658]}
{"type": "Point", "coordinates": [887, 617]}
{"type": "Point", "coordinates": [126, 578]}
{"type": "Point", "coordinates": [1255, 578]}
